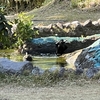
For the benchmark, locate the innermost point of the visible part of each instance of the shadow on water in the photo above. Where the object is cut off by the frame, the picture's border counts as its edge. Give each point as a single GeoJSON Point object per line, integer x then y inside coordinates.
{"type": "Point", "coordinates": [44, 62]}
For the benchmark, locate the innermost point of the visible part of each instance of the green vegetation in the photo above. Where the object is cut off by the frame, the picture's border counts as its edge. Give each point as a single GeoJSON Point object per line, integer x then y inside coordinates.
{"type": "Point", "coordinates": [84, 3]}
{"type": "Point", "coordinates": [5, 31]}
{"type": "Point", "coordinates": [19, 5]}
{"type": "Point", "coordinates": [24, 31]}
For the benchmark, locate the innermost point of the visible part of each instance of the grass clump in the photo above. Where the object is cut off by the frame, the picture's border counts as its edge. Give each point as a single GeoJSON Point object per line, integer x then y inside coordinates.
{"type": "Point", "coordinates": [84, 3]}
{"type": "Point", "coordinates": [46, 79]}
{"type": "Point", "coordinates": [97, 76]}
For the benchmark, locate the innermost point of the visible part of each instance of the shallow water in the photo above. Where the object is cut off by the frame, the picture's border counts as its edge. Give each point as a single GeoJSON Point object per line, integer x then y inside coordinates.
{"type": "Point", "coordinates": [48, 62]}
{"type": "Point", "coordinates": [44, 62]}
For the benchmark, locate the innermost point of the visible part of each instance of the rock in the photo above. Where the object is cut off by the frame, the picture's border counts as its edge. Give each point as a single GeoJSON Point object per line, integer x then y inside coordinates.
{"type": "Point", "coordinates": [71, 57]}
{"type": "Point", "coordinates": [12, 67]}
{"type": "Point", "coordinates": [75, 23]}
{"type": "Point", "coordinates": [60, 70]}
{"type": "Point", "coordinates": [89, 59]}
{"type": "Point", "coordinates": [79, 71]}
{"type": "Point", "coordinates": [52, 69]}
{"type": "Point", "coordinates": [91, 72]}
{"type": "Point", "coordinates": [59, 25]}
{"type": "Point", "coordinates": [44, 29]}
{"type": "Point", "coordinates": [66, 25]}
{"type": "Point", "coordinates": [99, 21]}
{"type": "Point", "coordinates": [43, 45]}
{"type": "Point", "coordinates": [96, 23]}
{"type": "Point", "coordinates": [72, 29]}
{"type": "Point", "coordinates": [37, 71]}
{"type": "Point", "coordinates": [47, 45]}
{"type": "Point", "coordinates": [87, 23]}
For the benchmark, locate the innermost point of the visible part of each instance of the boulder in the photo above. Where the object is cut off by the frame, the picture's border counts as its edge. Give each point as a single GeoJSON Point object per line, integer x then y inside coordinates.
{"type": "Point", "coordinates": [12, 67]}
{"type": "Point", "coordinates": [99, 21]}
{"type": "Point", "coordinates": [87, 23]}
{"type": "Point", "coordinates": [96, 23]}
{"type": "Point", "coordinates": [71, 57]}
{"type": "Point", "coordinates": [47, 45]}
{"type": "Point", "coordinates": [66, 25]}
{"type": "Point", "coordinates": [37, 71]}
{"type": "Point", "coordinates": [89, 59]}
{"type": "Point", "coordinates": [75, 23]}
{"type": "Point", "coordinates": [44, 30]}
{"type": "Point", "coordinates": [60, 70]}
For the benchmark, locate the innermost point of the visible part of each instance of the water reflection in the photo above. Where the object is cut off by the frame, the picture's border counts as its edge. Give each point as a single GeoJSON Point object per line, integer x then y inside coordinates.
{"type": "Point", "coordinates": [48, 62]}
{"type": "Point", "coordinates": [44, 62]}
{"type": "Point", "coordinates": [61, 62]}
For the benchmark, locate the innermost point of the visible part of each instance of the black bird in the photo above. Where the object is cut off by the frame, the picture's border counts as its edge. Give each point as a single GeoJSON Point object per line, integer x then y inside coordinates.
{"type": "Point", "coordinates": [27, 57]}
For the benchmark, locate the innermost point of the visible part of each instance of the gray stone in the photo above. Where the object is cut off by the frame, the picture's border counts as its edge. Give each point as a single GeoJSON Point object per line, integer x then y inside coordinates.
{"type": "Point", "coordinates": [87, 23]}
{"type": "Point", "coordinates": [61, 71]}
{"type": "Point", "coordinates": [53, 69]}
{"type": "Point", "coordinates": [91, 72]}
{"type": "Point", "coordinates": [37, 71]}
{"type": "Point", "coordinates": [67, 25]}
{"type": "Point", "coordinates": [12, 67]}
{"type": "Point", "coordinates": [59, 25]}
{"type": "Point", "coordinates": [96, 23]}
{"type": "Point", "coordinates": [79, 71]}
{"type": "Point", "coordinates": [89, 59]}
{"type": "Point", "coordinates": [76, 23]}
{"type": "Point", "coordinates": [99, 21]}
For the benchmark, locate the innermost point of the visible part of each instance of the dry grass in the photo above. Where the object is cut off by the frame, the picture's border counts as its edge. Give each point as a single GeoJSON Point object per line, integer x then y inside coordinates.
{"type": "Point", "coordinates": [62, 91]}
{"type": "Point", "coordinates": [63, 11]}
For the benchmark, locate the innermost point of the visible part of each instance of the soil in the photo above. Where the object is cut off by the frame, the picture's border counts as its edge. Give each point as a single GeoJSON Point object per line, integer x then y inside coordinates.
{"type": "Point", "coordinates": [87, 91]}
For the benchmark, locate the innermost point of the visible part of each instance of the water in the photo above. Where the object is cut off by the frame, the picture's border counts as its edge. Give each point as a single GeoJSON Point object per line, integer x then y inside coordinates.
{"type": "Point", "coordinates": [48, 62]}
{"type": "Point", "coordinates": [44, 62]}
